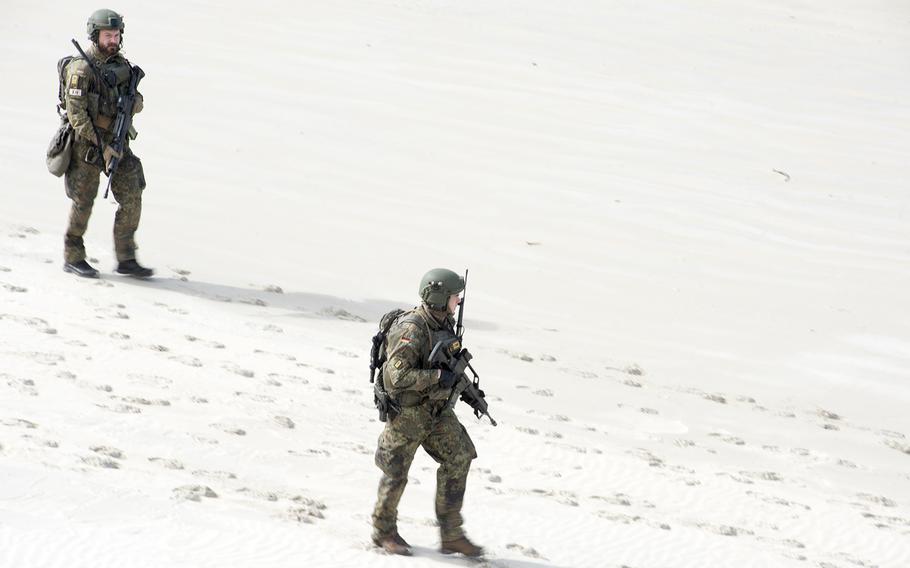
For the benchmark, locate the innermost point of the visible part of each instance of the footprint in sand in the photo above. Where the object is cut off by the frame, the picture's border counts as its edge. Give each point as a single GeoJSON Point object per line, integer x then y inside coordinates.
{"type": "Point", "coordinates": [217, 475]}
{"type": "Point", "coordinates": [109, 451]}
{"type": "Point", "coordinates": [212, 344]}
{"type": "Point", "coordinates": [735, 440]}
{"type": "Point", "coordinates": [311, 452]}
{"type": "Point", "coordinates": [284, 422]}
{"type": "Point", "coordinates": [23, 386]}
{"type": "Point", "coordinates": [43, 442]}
{"type": "Point", "coordinates": [18, 423]}
{"type": "Point", "coordinates": [774, 500]}
{"type": "Point", "coordinates": [101, 461]}
{"type": "Point", "coordinates": [762, 475]}
{"type": "Point", "coordinates": [339, 313]}
{"type": "Point", "coordinates": [187, 360]}
{"type": "Point", "coordinates": [253, 302]}
{"type": "Point", "coordinates": [264, 495]}
{"type": "Point", "coordinates": [516, 355]}
{"type": "Point", "coordinates": [724, 530]}
{"type": "Point", "coordinates": [49, 359]}
{"type": "Point", "coordinates": [647, 456]}
{"type": "Point", "coordinates": [142, 401]}
{"type": "Point", "coordinates": [229, 429]}
{"type": "Point", "coordinates": [255, 397]}
{"type": "Point", "coordinates": [528, 551]}
{"type": "Point", "coordinates": [284, 356]}
{"type": "Point", "coordinates": [348, 354]}
{"type": "Point", "coordinates": [178, 311]}
{"type": "Point", "coordinates": [167, 463]}
{"type": "Point", "coordinates": [579, 373]}
{"type": "Point", "coordinates": [121, 408]}
{"type": "Point", "coordinates": [238, 370]}
{"type": "Point", "coordinates": [113, 311]}
{"type": "Point", "coordinates": [156, 381]}
{"type": "Point", "coordinates": [193, 493]}
{"type": "Point", "coordinates": [305, 511]}
{"type": "Point", "coordinates": [291, 378]}
{"type": "Point", "coordinates": [36, 323]}
{"type": "Point", "coordinates": [895, 445]}
{"type": "Point", "coordinates": [877, 499]}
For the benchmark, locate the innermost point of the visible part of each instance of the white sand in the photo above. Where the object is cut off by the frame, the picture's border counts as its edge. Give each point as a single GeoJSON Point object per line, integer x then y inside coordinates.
{"type": "Point", "coordinates": [687, 232]}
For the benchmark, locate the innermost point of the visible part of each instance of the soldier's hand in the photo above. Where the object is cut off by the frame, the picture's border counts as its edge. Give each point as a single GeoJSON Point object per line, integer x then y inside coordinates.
{"type": "Point", "coordinates": [138, 103]}
{"type": "Point", "coordinates": [447, 378]}
{"type": "Point", "coordinates": [109, 154]}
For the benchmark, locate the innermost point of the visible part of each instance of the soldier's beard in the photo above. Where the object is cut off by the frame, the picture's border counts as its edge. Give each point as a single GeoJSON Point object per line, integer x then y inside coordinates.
{"type": "Point", "coordinates": [109, 49]}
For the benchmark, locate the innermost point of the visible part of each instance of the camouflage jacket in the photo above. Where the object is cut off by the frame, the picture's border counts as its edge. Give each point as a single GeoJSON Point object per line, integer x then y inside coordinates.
{"type": "Point", "coordinates": [88, 100]}
{"type": "Point", "coordinates": [406, 373]}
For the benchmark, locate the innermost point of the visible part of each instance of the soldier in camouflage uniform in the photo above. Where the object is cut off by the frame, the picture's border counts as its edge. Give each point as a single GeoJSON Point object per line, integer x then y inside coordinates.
{"type": "Point", "coordinates": [91, 108]}
{"type": "Point", "coordinates": [423, 420]}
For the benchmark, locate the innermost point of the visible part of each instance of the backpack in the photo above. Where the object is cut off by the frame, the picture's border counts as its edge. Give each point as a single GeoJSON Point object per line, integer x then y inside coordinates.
{"type": "Point", "coordinates": [385, 404]}
{"type": "Point", "coordinates": [61, 76]}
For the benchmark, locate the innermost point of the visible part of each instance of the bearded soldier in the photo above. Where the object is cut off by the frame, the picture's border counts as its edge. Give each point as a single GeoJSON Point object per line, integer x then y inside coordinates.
{"type": "Point", "coordinates": [423, 418]}
{"type": "Point", "coordinates": [91, 91]}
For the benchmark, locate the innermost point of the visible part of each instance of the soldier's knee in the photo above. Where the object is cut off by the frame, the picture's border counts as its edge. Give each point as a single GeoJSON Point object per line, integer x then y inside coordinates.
{"type": "Point", "coordinates": [393, 464]}
{"type": "Point", "coordinates": [130, 176]}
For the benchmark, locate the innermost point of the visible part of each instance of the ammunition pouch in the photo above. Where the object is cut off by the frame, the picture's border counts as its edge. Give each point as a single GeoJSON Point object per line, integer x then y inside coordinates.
{"type": "Point", "coordinates": [103, 122]}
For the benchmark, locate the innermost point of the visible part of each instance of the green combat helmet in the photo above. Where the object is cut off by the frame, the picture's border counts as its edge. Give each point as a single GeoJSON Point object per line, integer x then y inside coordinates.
{"type": "Point", "coordinates": [103, 19]}
{"type": "Point", "coordinates": [437, 285]}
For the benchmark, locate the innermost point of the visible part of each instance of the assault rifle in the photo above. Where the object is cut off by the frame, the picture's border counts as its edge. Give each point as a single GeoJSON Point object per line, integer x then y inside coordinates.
{"type": "Point", "coordinates": [124, 120]}
{"type": "Point", "coordinates": [448, 354]}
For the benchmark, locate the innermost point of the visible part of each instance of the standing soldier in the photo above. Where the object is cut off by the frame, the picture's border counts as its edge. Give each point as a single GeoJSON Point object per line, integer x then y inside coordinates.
{"type": "Point", "coordinates": [90, 100]}
{"type": "Point", "coordinates": [424, 420]}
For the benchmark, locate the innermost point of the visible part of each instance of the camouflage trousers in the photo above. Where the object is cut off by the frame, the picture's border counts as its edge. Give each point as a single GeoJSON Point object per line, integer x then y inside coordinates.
{"type": "Point", "coordinates": [81, 181]}
{"type": "Point", "coordinates": [447, 442]}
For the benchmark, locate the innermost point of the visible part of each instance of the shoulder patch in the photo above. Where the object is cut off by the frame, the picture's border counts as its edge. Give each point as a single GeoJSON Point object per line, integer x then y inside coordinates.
{"type": "Point", "coordinates": [74, 81]}
{"type": "Point", "coordinates": [75, 92]}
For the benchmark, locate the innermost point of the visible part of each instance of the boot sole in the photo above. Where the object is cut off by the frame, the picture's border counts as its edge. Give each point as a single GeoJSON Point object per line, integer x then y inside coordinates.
{"type": "Point", "coordinates": [71, 270]}
{"type": "Point", "coordinates": [450, 552]}
{"type": "Point", "coordinates": [137, 276]}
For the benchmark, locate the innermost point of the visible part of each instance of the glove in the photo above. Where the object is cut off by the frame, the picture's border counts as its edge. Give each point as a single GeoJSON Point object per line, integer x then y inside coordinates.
{"type": "Point", "coordinates": [109, 154]}
{"type": "Point", "coordinates": [138, 103]}
{"type": "Point", "coordinates": [447, 378]}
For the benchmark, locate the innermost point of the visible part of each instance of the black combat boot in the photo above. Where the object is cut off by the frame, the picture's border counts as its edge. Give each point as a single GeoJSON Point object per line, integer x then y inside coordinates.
{"type": "Point", "coordinates": [132, 268]}
{"type": "Point", "coordinates": [80, 268]}
{"type": "Point", "coordinates": [461, 545]}
{"type": "Point", "coordinates": [393, 544]}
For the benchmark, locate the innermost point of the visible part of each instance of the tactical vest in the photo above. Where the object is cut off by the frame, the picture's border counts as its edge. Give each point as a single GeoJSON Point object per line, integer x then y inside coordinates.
{"type": "Point", "coordinates": [103, 95]}
{"type": "Point", "coordinates": [436, 335]}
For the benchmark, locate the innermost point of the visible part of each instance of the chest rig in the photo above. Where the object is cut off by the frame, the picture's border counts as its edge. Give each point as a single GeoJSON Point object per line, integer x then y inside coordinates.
{"type": "Point", "coordinates": [113, 81]}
